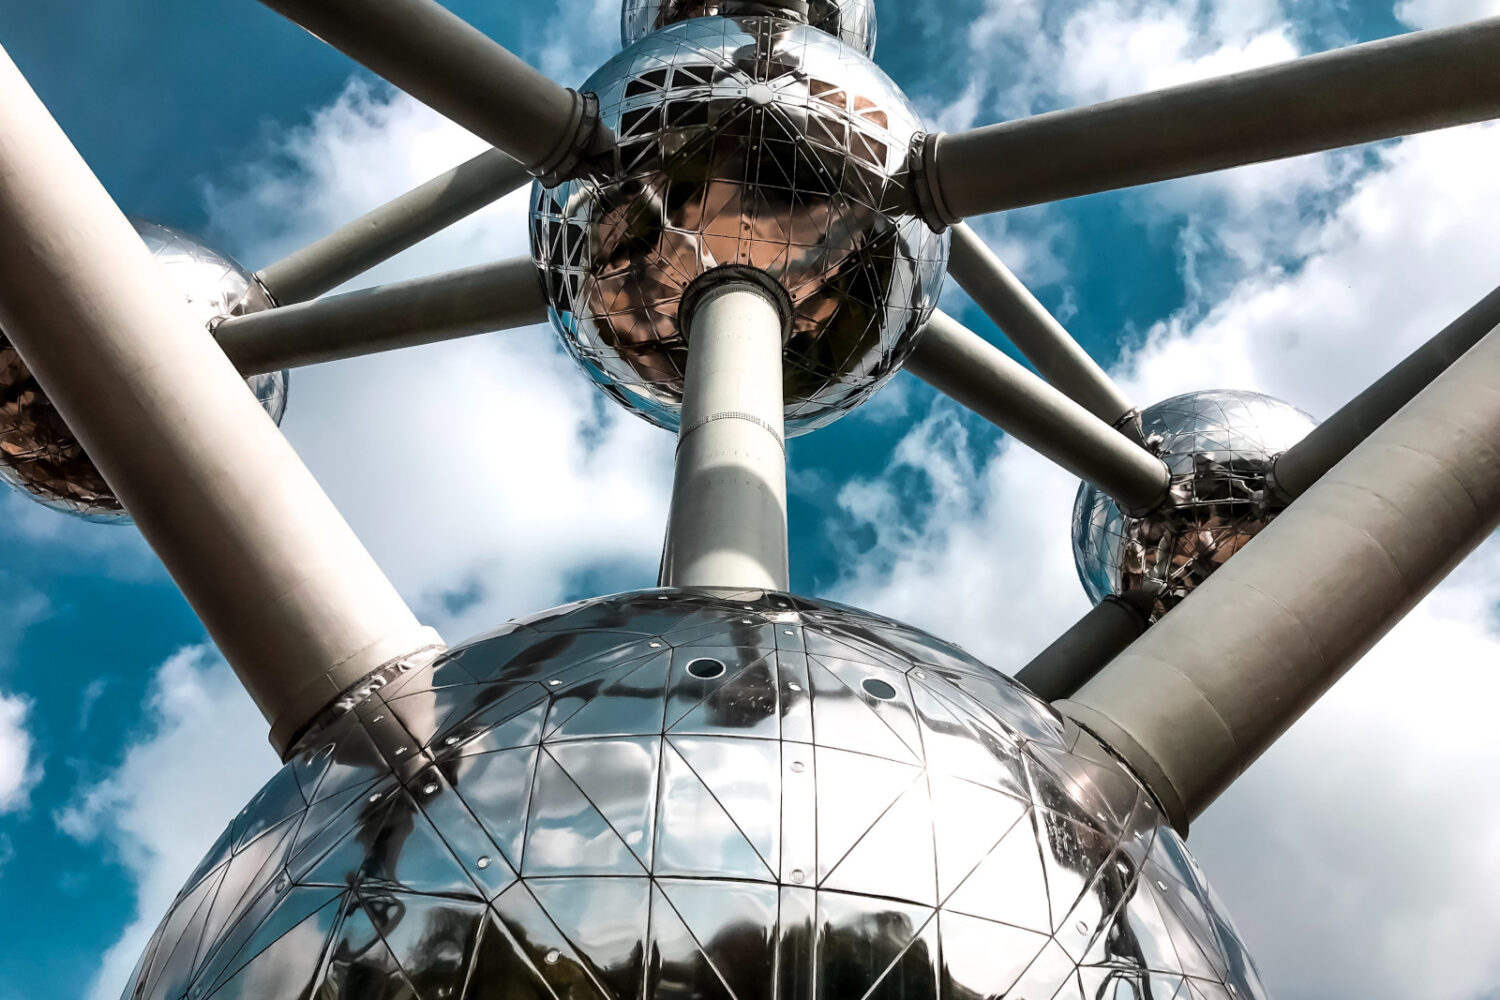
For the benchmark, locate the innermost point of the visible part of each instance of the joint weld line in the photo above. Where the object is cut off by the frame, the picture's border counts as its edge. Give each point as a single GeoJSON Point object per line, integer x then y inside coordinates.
{"type": "Point", "coordinates": [732, 415]}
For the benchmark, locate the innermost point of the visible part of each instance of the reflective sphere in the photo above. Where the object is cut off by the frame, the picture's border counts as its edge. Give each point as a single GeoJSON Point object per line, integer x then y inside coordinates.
{"type": "Point", "coordinates": [853, 21]}
{"type": "Point", "coordinates": [1220, 447]}
{"type": "Point", "coordinates": [753, 141]}
{"type": "Point", "coordinates": [689, 796]}
{"type": "Point", "coordinates": [40, 457]}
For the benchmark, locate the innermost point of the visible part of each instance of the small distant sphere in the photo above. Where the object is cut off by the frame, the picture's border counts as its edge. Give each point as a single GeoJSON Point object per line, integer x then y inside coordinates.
{"type": "Point", "coordinates": [677, 795]}
{"type": "Point", "coordinates": [40, 457]}
{"type": "Point", "coordinates": [851, 21]}
{"type": "Point", "coordinates": [751, 141]}
{"type": "Point", "coordinates": [1220, 447]}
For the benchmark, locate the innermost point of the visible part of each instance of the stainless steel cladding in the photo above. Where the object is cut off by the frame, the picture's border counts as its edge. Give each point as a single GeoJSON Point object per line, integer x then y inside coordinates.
{"type": "Point", "coordinates": [1219, 447]}
{"type": "Point", "coordinates": [852, 21]}
{"type": "Point", "coordinates": [751, 141]}
{"type": "Point", "coordinates": [695, 795]}
{"type": "Point", "coordinates": [39, 455]}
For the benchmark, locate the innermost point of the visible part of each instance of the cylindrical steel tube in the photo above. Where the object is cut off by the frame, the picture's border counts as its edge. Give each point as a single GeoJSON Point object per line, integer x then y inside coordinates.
{"type": "Point", "coordinates": [1034, 331]}
{"type": "Point", "coordinates": [1306, 462]}
{"type": "Point", "coordinates": [455, 69]}
{"type": "Point", "coordinates": [295, 603]}
{"type": "Point", "coordinates": [399, 224]}
{"type": "Point", "coordinates": [462, 303]}
{"type": "Point", "coordinates": [1411, 83]}
{"type": "Point", "coordinates": [1085, 649]}
{"type": "Point", "coordinates": [728, 514]}
{"type": "Point", "coordinates": [956, 360]}
{"type": "Point", "coordinates": [1212, 685]}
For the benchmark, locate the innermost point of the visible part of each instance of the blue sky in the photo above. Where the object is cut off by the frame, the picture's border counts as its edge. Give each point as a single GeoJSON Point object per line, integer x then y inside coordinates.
{"type": "Point", "coordinates": [490, 481]}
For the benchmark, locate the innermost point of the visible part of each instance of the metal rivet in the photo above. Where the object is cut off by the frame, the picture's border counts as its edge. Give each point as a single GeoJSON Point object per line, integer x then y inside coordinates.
{"type": "Point", "coordinates": [1082, 927]}
{"type": "Point", "coordinates": [378, 718]}
{"type": "Point", "coordinates": [450, 741]}
{"type": "Point", "coordinates": [789, 632]}
{"type": "Point", "coordinates": [483, 863]}
{"type": "Point", "coordinates": [400, 750]}
{"type": "Point", "coordinates": [430, 788]}
{"type": "Point", "coordinates": [553, 956]}
{"type": "Point", "coordinates": [794, 687]}
{"type": "Point", "coordinates": [798, 766]}
{"type": "Point", "coordinates": [554, 682]}
{"type": "Point", "coordinates": [656, 645]}
{"type": "Point", "coordinates": [375, 797]}
{"type": "Point", "coordinates": [798, 876]}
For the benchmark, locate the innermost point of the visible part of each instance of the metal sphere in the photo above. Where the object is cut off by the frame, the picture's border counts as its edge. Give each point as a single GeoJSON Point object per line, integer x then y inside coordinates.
{"type": "Point", "coordinates": [699, 796]}
{"type": "Point", "coordinates": [39, 455]}
{"type": "Point", "coordinates": [852, 21]}
{"type": "Point", "coordinates": [1220, 447]}
{"type": "Point", "coordinates": [750, 141]}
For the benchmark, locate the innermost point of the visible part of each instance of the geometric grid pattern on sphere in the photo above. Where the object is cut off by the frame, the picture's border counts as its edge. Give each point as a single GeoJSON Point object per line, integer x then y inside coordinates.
{"type": "Point", "coordinates": [699, 796]}
{"type": "Point", "coordinates": [1220, 447]}
{"type": "Point", "coordinates": [39, 455]}
{"type": "Point", "coordinates": [751, 141]}
{"type": "Point", "coordinates": [852, 21]}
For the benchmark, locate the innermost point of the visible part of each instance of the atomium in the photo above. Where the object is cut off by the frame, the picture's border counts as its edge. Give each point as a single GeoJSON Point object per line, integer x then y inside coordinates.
{"type": "Point", "coordinates": [758, 142]}
{"type": "Point", "coordinates": [852, 21]}
{"type": "Point", "coordinates": [1219, 447]}
{"type": "Point", "coordinates": [39, 455]}
{"type": "Point", "coordinates": [699, 795]}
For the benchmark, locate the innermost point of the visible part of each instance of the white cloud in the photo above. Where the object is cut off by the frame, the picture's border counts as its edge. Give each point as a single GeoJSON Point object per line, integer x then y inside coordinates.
{"type": "Point", "coordinates": [19, 771]}
{"type": "Point", "coordinates": [203, 757]}
{"type": "Point", "coordinates": [1442, 13]}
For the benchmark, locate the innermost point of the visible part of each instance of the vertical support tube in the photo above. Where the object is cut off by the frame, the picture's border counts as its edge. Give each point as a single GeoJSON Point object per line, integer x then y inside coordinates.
{"type": "Point", "coordinates": [1197, 699]}
{"type": "Point", "coordinates": [1034, 331]}
{"type": "Point", "coordinates": [295, 603]}
{"type": "Point", "coordinates": [728, 514]}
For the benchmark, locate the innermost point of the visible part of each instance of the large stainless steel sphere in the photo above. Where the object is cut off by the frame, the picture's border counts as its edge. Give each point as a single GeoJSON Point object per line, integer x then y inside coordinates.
{"type": "Point", "coordinates": [1220, 447]}
{"type": "Point", "coordinates": [699, 796]}
{"type": "Point", "coordinates": [39, 455]}
{"type": "Point", "coordinates": [750, 141]}
{"type": "Point", "coordinates": [852, 21]}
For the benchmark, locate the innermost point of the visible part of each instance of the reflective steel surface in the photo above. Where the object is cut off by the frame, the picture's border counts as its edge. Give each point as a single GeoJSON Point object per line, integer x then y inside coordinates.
{"type": "Point", "coordinates": [754, 141]}
{"type": "Point", "coordinates": [853, 21]}
{"type": "Point", "coordinates": [41, 458]}
{"type": "Point", "coordinates": [1219, 446]}
{"type": "Point", "coordinates": [693, 795]}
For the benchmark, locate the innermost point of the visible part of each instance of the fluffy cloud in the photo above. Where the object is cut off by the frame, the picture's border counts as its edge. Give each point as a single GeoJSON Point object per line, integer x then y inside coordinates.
{"type": "Point", "coordinates": [203, 757]}
{"type": "Point", "coordinates": [18, 770]}
{"type": "Point", "coordinates": [1442, 13]}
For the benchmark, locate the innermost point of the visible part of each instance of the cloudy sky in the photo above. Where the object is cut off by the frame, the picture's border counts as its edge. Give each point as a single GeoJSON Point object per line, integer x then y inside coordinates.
{"type": "Point", "coordinates": [1359, 857]}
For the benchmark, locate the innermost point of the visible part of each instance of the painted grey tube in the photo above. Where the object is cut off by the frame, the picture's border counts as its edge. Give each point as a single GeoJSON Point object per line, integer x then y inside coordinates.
{"type": "Point", "coordinates": [293, 600]}
{"type": "Point", "coordinates": [955, 360]}
{"type": "Point", "coordinates": [458, 71]}
{"type": "Point", "coordinates": [1034, 331]}
{"type": "Point", "coordinates": [1307, 461]}
{"type": "Point", "coordinates": [727, 526]}
{"type": "Point", "coordinates": [1198, 698]}
{"type": "Point", "coordinates": [398, 225]}
{"type": "Point", "coordinates": [1412, 83]}
{"type": "Point", "coordinates": [1064, 667]}
{"type": "Point", "coordinates": [463, 303]}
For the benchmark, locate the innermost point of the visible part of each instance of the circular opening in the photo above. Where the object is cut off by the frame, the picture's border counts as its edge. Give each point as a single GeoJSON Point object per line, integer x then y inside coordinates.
{"type": "Point", "coordinates": [706, 669]}
{"type": "Point", "coordinates": [877, 688]}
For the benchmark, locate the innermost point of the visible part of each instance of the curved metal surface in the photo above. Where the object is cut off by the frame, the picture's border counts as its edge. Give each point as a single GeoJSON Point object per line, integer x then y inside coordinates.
{"type": "Point", "coordinates": [756, 141]}
{"type": "Point", "coordinates": [699, 795]}
{"type": "Point", "coordinates": [1220, 447]}
{"type": "Point", "coordinates": [40, 457]}
{"type": "Point", "coordinates": [851, 21]}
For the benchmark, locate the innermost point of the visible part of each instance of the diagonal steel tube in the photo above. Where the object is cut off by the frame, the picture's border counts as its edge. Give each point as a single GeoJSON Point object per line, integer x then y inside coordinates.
{"type": "Point", "coordinates": [1212, 685]}
{"type": "Point", "coordinates": [1034, 331]}
{"type": "Point", "coordinates": [1307, 461]}
{"type": "Point", "coordinates": [1411, 83]}
{"type": "Point", "coordinates": [1085, 649]}
{"type": "Point", "coordinates": [462, 303]}
{"type": "Point", "coordinates": [957, 361]}
{"type": "Point", "coordinates": [286, 590]}
{"type": "Point", "coordinates": [398, 225]}
{"type": "Point", "coordinates": [458, 71]}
